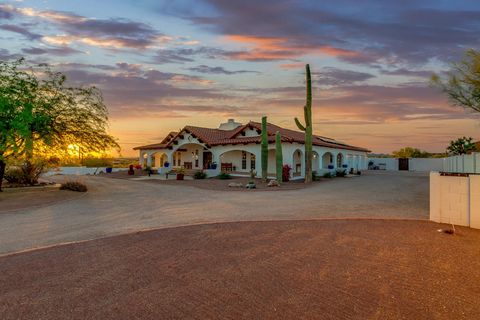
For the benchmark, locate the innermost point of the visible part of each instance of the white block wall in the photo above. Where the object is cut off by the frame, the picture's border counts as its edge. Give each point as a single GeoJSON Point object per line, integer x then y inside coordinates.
{"type": "Point", "coordinates": [455, 200]}
{"type": "Point", "coordinates": [467, 163]}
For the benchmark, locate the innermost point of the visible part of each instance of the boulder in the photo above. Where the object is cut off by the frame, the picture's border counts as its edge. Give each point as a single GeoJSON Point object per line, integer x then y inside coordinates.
{"type": "Point", "coordinates": [251, 185]}
{"type": "Point", "coordinates": [235, 185]}
{"type": "Point", "coordinates": [273, 183]}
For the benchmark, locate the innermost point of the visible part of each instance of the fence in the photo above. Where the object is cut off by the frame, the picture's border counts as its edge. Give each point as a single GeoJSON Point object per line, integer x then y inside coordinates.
{"type": "Point", "coordinates": [466, 163]}
{"type": "Point", "coordinates": [455, 199]}
{"type": "Point", "coordinates": [414, 164]}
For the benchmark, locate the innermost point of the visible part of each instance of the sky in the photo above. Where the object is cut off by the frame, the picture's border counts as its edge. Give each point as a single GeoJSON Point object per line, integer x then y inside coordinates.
{"type": "Point", "coordinates": [162, 65]}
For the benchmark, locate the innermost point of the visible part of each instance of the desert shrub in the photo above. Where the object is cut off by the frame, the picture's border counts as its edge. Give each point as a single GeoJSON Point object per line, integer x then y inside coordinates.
{"type": "Point", "coordinates": [341, 173]}
{"type": "Point", "coordinates": [27, 173]}
{"type": "Point", "coordinates": [224, 176]}
{"type": "Point", "coordinates": [15, 175]}
{"type": "Point", "coordinates": [328, 175]}
{"type": "Point", "coordinates": [73, 186]}
{"type": "Point", "coordinates": [199, 175]}
{"type": "Point", "coordinates": [97, 162]}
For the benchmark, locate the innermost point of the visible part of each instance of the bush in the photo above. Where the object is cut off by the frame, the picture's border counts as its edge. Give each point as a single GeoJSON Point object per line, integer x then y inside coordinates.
{"type": "Point", "coordinates": [27, 173]}
{"type": "Point", "coordinates": [15, 175]}
{"type": "Point", "coordinates": [328, 175]}
{"type": "Point", "coordinates": [199, 175]}
{"type": "Point", "coordinates": [73, 186]}
{"type": "Point", "coordinates": [224, 176]}
{"type": "Point", "coordinates": [341, 173]}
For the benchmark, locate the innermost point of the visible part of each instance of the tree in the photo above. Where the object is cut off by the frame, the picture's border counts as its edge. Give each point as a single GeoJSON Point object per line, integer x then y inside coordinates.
{"type": "Point", "coordinates": [460, 146]}
{"type": "Point", "coordinates": [463, 82]}
{"type": "Point", "coordinates": [41, 114]}
{"type": "Point", "coordinates": [409, 152]}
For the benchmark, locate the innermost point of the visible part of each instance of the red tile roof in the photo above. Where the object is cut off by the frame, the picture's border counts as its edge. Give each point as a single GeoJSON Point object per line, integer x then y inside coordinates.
{"type": "Point", "coordinates": [214, 137]}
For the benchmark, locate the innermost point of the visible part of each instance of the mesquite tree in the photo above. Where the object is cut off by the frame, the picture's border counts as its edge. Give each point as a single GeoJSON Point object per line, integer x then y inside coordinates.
{"type": "Point", "coordinates": [307, 128]}
{"type": "Point", "coordinates": [462, 84]}
{"type": "Point", "coordinates": [264, 149]}
{"type": "Point", "coordinates": [40, 113]}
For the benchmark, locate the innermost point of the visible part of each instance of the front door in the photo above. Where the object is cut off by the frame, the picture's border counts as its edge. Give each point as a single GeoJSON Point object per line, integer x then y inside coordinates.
{"type": "Point", "coordinates": [207, 159]}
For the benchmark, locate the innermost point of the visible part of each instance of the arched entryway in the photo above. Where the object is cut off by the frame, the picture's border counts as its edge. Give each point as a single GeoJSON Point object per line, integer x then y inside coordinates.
{"type": "Point", "coordinates": [339, 160]}
{"type": "Point", "coordinates": [239, 161]}
{"type": "Point", "coordinates": [188, 156]}
{"type": "Point", "coordinates": [159, 159]}
{"type": "Point", "coordinates": [315, 161]}
{"type": "Point", "coordinates": [327, 159]}
{"type": "Point", "coordinates": [298, 163]}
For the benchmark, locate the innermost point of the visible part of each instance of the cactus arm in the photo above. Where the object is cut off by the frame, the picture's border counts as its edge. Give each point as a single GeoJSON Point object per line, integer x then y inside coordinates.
{"type": "Point", "coordinates": [278, 156]}
{"type": "Point", "coordinates": [299, 125]}
{"type": "Point", "coordinates": [264, 149]}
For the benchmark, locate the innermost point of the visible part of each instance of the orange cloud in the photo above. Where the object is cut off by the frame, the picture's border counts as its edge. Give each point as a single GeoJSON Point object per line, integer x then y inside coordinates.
{"type": "Point", "coordinates": [275, 48]}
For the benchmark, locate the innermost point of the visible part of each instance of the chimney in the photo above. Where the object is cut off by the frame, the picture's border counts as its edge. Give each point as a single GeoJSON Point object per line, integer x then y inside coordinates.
{"type": "Point", "coordinates": [229, 125]}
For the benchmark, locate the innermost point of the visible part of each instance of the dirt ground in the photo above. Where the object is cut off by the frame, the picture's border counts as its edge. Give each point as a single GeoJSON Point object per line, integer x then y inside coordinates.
{"type": "Point", "coordinates": [118, 206]}
{"type": "Point", "coordinates": [334, 269]}
{"type": "Point", "coordinates": [18, 199]}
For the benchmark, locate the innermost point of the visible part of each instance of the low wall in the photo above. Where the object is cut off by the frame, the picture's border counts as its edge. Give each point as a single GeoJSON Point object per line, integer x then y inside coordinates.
{"type": "Point", "coordinates": [414, 164]}
{"type": "Point", "coordinates": [79, 171]}
{"type": "Point", "coordinates": [455, 200]}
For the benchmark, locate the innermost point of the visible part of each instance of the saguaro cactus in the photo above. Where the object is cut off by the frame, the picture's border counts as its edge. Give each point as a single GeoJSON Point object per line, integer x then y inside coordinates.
{"type": "Point", "coordinates": [264, 148]}
{"type": "Point", "coordinates": [307, 128]}
{"type": "Point", "coordinates": [278, 156]}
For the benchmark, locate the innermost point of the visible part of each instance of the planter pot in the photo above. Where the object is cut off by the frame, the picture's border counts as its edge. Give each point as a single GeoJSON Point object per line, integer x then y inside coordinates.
{"type": "Point", "coordinates": [166, 164]}
{"type": "Point", "coordinates": [108, 170]}
{"type": "Point", "coordinates": [330, 166]}
{"type": "Point", "coordinates": [180, 176]}
{"type": "Point", "coordinates": [131, 172]}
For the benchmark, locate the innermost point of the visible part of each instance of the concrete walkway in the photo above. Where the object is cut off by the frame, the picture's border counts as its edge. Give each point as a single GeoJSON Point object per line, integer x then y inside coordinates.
{"type": "Point", "coordinates": [115, 206]}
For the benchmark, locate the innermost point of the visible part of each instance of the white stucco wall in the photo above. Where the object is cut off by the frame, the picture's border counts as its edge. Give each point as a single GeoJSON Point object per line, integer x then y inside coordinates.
{"type": "Point", "coordinates": [468, 163]}
{"type": "Point", "coordinates": [455, 200]}
{"type": "Point", "coordinates": [414, 164]}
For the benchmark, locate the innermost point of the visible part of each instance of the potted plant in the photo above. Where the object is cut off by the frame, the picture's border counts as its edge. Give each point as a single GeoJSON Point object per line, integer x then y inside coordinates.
{"type": "Point", "coordinates": [180, 174]}
{"type": "Point", "coordinates": [131, 172]}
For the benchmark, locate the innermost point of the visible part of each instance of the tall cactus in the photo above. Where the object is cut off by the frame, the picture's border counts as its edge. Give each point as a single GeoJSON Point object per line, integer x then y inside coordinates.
{"type": "Point", "coordinates": [278, 156]}
{"type": "Point", "coordinates": [307, 111]}
{"type": "Point", "coordinates": [264, 148]}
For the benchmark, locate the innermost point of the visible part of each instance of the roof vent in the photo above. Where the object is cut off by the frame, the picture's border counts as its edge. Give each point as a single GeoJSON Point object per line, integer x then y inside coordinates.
{"type": "Point", "coordinates": [229, 125]}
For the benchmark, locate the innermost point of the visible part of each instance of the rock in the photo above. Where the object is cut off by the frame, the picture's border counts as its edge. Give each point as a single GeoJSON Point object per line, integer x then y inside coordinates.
{"type": "Point", "coordinates": [235, 185]}
{"type": "Point", "coordinates": [251, 185]}
{"type": "Point", "coordinates": [273, 183]}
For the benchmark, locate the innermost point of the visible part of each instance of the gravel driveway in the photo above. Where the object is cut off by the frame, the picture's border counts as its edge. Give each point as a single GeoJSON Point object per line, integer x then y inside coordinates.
{"type": "Point", "coordinates": [115, 206]}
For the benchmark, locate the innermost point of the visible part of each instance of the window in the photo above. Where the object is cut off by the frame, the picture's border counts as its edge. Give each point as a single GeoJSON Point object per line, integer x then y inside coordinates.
{"type": "Point", "coordinates": [174, 159]}
{"type": "Point", "coordinates": [244, 160]}
{"type": "Point", "coordinates": [252, 161]}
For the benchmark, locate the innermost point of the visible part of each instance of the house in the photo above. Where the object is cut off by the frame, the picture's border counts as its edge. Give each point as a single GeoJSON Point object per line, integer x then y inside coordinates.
{"type": "Point", "coordinates": [236, 148]}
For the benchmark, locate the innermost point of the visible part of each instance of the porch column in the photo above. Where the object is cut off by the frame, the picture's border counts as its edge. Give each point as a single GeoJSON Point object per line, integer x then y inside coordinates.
{"type": "Point", "coordinates": [140, 159]}
{"type": "Point", "coordinates": [149, 160]}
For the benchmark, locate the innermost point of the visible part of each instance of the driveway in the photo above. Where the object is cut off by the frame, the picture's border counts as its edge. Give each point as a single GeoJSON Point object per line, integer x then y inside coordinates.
{"type": "Point", "coordinates": [116, 206]}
